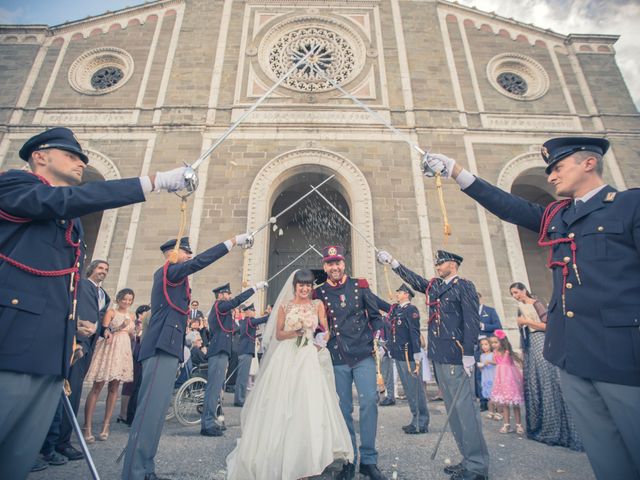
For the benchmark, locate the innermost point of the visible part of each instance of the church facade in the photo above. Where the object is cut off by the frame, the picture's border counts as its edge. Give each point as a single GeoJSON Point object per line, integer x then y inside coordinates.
{"type": "Point", "coordinates": [149, 87]}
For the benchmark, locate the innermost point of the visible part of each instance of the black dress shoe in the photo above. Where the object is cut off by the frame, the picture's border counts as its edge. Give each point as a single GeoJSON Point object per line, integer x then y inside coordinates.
{"type": "Point", "coordinates": [211, 432]}
{"type": "Point", "coordinates": [387, 402]}
{"type": "Point", "coordinates": [405, 427]}
{"type": "Point", "coordinates": [451, 469]}
{"type": "Point", "coordinates": [71, 453]}
{"type": "Point", "coordinates": [348, 472]}
{"type": "Point", "coordinates": [371, 471]}
{"type": "Point", "coordinates": [153, 476]}
{"type": "Point", "coordinates": [468, 475]}
{"type": "Point", "coordinates": [412, 430]}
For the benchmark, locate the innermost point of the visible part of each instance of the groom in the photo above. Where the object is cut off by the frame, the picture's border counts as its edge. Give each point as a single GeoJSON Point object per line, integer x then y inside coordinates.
{"type": "Point", "coordinates": [351, 307]}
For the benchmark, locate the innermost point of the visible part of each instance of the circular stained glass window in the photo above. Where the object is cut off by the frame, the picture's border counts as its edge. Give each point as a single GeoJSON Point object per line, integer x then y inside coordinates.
{"type": "Point", "coordinates": [106, 78]}
{"type": "Point", "coordinates": [513, 83]}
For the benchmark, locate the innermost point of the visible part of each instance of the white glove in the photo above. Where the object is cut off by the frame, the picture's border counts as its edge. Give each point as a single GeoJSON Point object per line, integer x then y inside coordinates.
{"type": "Point", "coordinates": [244, 240]}
{"type": "Point", "coordinates": [320, 339]}
{"type": "Point", "coordinates": [468, 361]}
{"type": "Point", "coordinates": [480, 365]}
{"type": "Point", "coordinates": [171, 181]}
{"type": "Point", "coordinates": [385, 257]}
{"type": "Point", "coordinates": [436, 162]}
{"type": "Point", "coordinates": [417, 357]}
{"type": "Point", "coordinates": [260, 285]}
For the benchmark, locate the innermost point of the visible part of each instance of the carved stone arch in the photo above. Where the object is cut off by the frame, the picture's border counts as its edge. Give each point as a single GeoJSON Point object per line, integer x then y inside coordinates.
{"type": "Point", "coordinates": [107, 169]}
{"type": "Point", "coordinates": [510, 172]}
{"type": "Point", "coordinates": [353, 185]}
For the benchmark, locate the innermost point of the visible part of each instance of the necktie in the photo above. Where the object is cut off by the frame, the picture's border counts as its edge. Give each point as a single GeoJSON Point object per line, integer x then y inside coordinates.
{"type": "Point", "coordinates": [101, 298]}
{"type": "Point", "coordinates": [578, 206]}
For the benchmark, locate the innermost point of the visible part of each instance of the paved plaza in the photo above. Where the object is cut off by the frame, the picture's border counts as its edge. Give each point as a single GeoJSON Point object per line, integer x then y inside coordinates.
{"type": "Point", "coordinates": [185, 455]}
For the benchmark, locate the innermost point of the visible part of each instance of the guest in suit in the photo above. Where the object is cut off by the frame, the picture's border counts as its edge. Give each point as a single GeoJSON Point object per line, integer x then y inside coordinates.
{"type": "Point", "coordinates": [247, 330]}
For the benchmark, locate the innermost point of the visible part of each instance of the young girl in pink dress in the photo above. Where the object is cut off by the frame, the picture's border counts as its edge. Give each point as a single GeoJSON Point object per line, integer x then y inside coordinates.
{"type": "Point", "coordinates": [508, 387]}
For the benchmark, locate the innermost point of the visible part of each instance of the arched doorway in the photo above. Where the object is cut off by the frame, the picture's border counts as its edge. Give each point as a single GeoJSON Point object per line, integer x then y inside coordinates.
{"type": "Point", "coordinates": [303, 168]}
{"type": "Point", "coordinates": [91, 223]}
{"type": "Point", "coordinates": [532, 186]}
{"type": "Point", "coordinates": [311, 222]}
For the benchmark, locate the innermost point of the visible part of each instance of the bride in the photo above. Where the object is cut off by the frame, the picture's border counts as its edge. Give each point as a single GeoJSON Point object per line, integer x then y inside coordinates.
{"type": "Point", "coordinates": [291, 423]}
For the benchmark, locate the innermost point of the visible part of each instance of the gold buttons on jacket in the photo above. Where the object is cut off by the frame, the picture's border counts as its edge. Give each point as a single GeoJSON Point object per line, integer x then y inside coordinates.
{"type": "Point", "coordinates": [566, 259]}
{"type": "Point", "coordinates": [601, 228]}
{"type": "Point", "coordinates": [570, 314]}
{"type": "Point", "coordinates": [569, 285]}
{"type": "Point", "coordinates": [15, 301]}
{"type": "Point", "coordinates": [571, 235]}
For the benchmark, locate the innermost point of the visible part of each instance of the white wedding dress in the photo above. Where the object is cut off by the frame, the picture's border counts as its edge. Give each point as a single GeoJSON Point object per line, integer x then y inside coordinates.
{"type": "Point", "coordinates": [292, 426]}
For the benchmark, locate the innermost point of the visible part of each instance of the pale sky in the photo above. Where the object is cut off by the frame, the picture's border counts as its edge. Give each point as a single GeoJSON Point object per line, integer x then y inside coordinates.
{"type": "Point", "coordinates": [620, 17]}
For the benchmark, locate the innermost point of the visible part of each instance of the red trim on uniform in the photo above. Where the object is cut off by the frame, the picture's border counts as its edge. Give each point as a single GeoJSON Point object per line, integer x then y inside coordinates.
{"type": "Point", "coordinates": [225, 330]}
{"type": "Point", "coordinates": [166, 282]}
{"type": "Point", "coordinates": [362, 283]}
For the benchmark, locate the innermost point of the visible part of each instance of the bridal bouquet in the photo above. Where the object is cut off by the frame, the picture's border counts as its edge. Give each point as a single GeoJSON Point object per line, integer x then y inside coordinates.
{"type": "Point", "coordinates": [306, 324]}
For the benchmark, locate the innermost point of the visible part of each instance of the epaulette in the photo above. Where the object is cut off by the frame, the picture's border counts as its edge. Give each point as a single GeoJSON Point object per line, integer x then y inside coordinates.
{"type": "Point", "coordinates": [362, 283]}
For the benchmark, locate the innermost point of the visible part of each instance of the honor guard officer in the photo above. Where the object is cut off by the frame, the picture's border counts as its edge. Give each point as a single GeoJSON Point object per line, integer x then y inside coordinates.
{"type": "Point", "coordinates": [246, 350]}
{"type": "Point", "coordinates": [353, 316]}
{"type": "Point", "coordinates": [454, 324]}
{"type": "Point", "coordinates": [222, 326]}
{"type": "Point", "coordinates": [404, 345]}
{"type": "Point", "coordinates": [162, 349]}
{"type": "Point", "coordinates": [41, 257]}
{"type": "Point", "coordinates": [594, 242]}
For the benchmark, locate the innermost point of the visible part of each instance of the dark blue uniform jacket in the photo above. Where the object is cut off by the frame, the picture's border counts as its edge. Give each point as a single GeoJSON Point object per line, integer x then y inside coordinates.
{"type": "Point", "coordinates": [353, 316]}
{"type": "Point", "coordinates": [222, 325]}
{"type": "Point", "coordinates": [247, 327]}
{"type": "Point", "coordinates": [490, 319]}
{"type": "Point", "coordinates": [403, 330]}
{"type": "Point", "coordinates": [36, 333]}
{"type": "Point", "coordinates": [597, 335]}
{"type": "Point", "coordinates": [454, 321]}
{"type": "Point", "coordinates": [167, 326]}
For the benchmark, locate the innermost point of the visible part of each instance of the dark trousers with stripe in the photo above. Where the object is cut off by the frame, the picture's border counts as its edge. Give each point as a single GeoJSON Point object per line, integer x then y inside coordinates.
{"type": "Point", "coordinates": [156, 388]}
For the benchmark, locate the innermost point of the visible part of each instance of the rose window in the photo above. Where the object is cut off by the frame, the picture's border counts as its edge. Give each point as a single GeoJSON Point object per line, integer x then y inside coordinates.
{"type": "Point", "coordinates": [337, 53]}
{"type": "Point", "coordinates": [106, 78]}
{"type": "Point", "coordinates": [513, 83]}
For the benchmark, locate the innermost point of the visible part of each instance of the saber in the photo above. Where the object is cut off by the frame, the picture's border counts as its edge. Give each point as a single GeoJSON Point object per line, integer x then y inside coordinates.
{"type": "Point", "coordinates": [426, 169]}
{"type": "Point", "coordinates": [377, 116]}
{"type": "Point", "coordinates": [76, 428]}
{"type": "Point", "coordinates": [342, 215]}
{"type": "Point", "coordinates": [274, 219]}
{"type": "Point", "coordinates": [293, 68]}
{"type": "Point", "coordinates": [291, 263]}
{"type": "Point", "coordinates": [316, 250]}
{"type": "Point", "coordinates": [446, 422]}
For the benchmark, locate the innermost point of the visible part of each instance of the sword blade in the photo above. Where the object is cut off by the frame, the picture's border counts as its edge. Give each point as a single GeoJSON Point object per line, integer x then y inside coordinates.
{"type": "Point", "coordinates": [290, 263]}
{"type": "Point", "coordinates": [446, 422]}
{"type": "Point", "coordinates": [266, 95]}
{"type": "Point", "coordinates": [76, 428]}
{"type": "Point", "coordinates": [342, 215]}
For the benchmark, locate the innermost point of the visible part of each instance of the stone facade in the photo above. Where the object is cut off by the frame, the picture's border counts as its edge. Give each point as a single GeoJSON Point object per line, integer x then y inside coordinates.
{"type": "Point", "coordinates": [182, 71]}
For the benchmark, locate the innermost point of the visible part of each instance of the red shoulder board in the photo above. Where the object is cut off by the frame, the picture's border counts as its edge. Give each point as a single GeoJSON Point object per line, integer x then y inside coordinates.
{"type": "Point", "coordinates": [362, 283]}
{"type": "Point", "coordinates": [314, 294]}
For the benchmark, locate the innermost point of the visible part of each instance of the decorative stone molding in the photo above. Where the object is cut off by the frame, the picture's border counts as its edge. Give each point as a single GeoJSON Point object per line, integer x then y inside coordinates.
{"type": "Point", "coordinates": [531, 122]}
{"type": "Point", "coordinates": [114, 61]}
{"type": "Point", "coordinates": [85, 117]}
{"type": "Point", "coordinates": [508, 175]}
{"type": "Point", "coordinates": [522, 66]}
{"type": "Point", "coordinates": [357, 193]}
{"type": "Point", "coordinates": [341, 52]}
{"type": "Point", "coordinates": [109, 171]}
{"type": "Point", "coordinates": [309, 117]}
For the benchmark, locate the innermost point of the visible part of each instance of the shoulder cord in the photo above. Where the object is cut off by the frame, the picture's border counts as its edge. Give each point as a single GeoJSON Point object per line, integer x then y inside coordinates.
{"type": "Point", "coordinates": [166, 283]}
{"type": "Point", "coordinates": [218, 313]}
{"type": "Point", "coordinates": [549, 214]}
{"type": "Point", "coordinates": [433, 307]}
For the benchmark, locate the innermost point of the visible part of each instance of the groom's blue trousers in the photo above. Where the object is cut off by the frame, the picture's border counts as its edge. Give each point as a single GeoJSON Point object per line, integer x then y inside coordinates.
{"type": "Point", "coordinates": [363, 374]}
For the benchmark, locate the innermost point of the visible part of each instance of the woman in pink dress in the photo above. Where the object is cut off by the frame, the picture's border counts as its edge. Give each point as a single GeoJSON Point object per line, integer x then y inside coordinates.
{"type": "Point", "coordinates": [112, 362]}
{"type": "Point", "coordinates": [508, 389]}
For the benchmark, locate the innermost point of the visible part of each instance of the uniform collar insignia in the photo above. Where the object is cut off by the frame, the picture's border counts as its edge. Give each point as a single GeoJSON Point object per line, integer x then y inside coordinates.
{"type": "Point", "coordinates": [610, 197]}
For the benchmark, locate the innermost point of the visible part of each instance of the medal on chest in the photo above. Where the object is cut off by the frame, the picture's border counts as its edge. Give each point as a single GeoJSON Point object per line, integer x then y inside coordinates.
{"type": "Point", "coordinates": [343, 300]}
